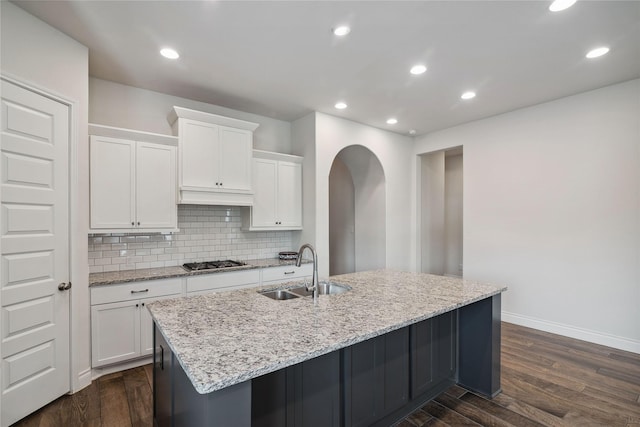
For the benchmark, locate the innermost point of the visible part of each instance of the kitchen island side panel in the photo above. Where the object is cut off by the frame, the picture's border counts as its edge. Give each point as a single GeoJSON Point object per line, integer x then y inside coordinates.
{"type": "Point", "coordinates": [479, 346]}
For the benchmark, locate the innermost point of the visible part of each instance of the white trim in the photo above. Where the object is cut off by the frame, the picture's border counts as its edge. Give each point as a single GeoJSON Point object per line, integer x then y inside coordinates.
{"type": "Point", "coordinates": [109, 369]}
{"type": "Point", "coordinates": [83, 380]}
{"type": "Point", "coordinates": [270, 155]}
{"type": "Point", "coordinates": [132, 134]}
{"type": "Point", "coordinates": [187, 113]}
{"type": "Point", "coordinates": [573, 332]}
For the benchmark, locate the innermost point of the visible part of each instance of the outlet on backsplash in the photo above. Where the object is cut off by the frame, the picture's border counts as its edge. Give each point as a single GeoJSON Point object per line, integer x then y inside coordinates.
{"type": "Point", "coordinates": [206, 233]}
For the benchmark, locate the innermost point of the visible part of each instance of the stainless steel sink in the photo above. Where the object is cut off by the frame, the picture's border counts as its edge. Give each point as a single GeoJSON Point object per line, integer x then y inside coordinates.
{"type": "Point", "coordinates": [324, 288]}
{"type": "Point", "coordinates": [279, 295]}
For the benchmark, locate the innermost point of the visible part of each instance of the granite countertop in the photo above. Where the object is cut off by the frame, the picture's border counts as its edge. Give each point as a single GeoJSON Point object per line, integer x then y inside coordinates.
{"type": "Point", "coordinates": [113, 277]}
{"type": "Point", "coordinates": [222, 339]}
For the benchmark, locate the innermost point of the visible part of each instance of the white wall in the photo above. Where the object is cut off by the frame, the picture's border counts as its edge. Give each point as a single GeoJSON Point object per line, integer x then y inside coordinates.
{"type": "Point", "coordinates": [41, 56]}
{"type": "Point", "coordinates": [552, 210]}
{"type": "Point", "coordinates": [342, 216]}
{"type": "Point", "coordinates": [129, 107]}
{"type": "Point", "coordinates": [394, 151]}
{"type": "Point", "coordinates": [369, 207]}
{"type": "Point", "coordinates": [453, 210]}
{"type": "Point", "coordinates": [303, 137]}
{"type": "Point", "coordinates": [432, 213]}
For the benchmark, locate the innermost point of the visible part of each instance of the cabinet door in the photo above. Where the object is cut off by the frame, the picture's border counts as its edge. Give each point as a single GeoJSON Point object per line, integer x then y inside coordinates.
{"type": "Point", "coordinates": [199, 155]}
{"type": "Point", "coordinates": [146, 330]}
{"type": "Point", "coordinates": [156, 205]}
{"type": "Point", "coordinates": [316, 396]}
{"type": "Point", "coordinates": [376, 377]}
{"type": "Point", "coordinates": [289, 200]}
{"type": "Point", "coordinates": [433, 352]}
{"type": "Point", "coordinates": [235, 159]}
{"type": "Point", "coordinates": [445, 343]}
{"type": "Point", "coordinates": [112, 163]}
{"type": "Point", "coordinates": [115, 332]}
{"type": "Point", "coordinates": [264, 198]}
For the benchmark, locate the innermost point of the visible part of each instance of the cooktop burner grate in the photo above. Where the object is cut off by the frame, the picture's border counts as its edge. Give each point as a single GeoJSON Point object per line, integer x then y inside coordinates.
{"type": "Point", "coordinates": [212, 265]}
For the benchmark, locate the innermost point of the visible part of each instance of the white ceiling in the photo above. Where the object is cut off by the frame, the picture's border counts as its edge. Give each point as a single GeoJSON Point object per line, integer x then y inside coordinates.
{"type": "Point", "coordinates": [280, 58]}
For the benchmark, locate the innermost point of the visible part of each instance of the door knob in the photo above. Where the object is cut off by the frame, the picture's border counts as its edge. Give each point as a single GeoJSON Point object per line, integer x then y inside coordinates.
{"type": "Point", "coordinates": [64, 286]}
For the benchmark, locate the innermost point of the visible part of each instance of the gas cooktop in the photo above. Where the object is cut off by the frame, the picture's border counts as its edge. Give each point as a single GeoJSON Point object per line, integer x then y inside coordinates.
{"type": "Point", "coordinates": [212, 265]}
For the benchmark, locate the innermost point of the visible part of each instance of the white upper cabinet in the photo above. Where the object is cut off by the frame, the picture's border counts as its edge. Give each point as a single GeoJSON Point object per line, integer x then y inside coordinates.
{"type": "Point", "coordinates": [277, 183]}
{"type": "Point", "coordinates": [214, 158]}
{"type": "Point", "coordinates": [132, 181]}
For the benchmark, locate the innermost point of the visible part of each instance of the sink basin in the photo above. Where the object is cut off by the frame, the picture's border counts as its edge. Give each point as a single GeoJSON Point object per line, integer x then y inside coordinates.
{"type": "Point", "coordinates": [324, 288]}
{"type": "Point", "coordinates": [279, 295]}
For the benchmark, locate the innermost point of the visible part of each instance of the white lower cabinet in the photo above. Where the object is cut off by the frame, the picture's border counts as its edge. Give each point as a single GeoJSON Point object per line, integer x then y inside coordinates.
{"type": "Point", "coordinates": [218, 282]}
{"type": "Point", "coordinates": [277, 275]}
{"type": "Point", "coordinates": [121, 327]}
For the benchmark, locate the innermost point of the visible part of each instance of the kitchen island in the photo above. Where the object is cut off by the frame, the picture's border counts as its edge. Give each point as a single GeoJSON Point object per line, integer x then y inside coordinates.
{"type": "Point", "coordinates": [364, 357]}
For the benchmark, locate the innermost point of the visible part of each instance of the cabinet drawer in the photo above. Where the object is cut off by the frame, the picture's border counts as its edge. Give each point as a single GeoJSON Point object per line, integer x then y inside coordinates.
{"type": "Point", "coordinates": [215, 281]}
{"type": "Point", "coordinates": [135, 290]}
{"type": "Point", "coordinates": [287, 272]}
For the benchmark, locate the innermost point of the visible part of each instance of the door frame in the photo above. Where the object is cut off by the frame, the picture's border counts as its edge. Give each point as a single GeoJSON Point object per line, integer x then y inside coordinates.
{"type": "Point", "coordinates": [76, 380]}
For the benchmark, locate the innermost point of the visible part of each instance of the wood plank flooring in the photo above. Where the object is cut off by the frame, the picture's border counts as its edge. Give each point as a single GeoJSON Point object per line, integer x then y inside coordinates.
{"type": "Point", "coordinates": [547, 380]}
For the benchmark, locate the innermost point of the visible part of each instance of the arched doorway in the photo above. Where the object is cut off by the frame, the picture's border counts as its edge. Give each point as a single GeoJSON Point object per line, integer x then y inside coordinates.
{"type": "Point", "coordinates": [357, 212]}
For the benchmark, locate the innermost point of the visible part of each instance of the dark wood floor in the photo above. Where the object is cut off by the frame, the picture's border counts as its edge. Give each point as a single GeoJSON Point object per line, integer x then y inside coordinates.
{"type": "Point", "coordinates": [547, 380]}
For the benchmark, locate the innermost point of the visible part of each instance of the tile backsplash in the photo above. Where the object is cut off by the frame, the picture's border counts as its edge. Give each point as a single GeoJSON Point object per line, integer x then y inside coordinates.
{"type": "Point", "coordinates": [206, 233]}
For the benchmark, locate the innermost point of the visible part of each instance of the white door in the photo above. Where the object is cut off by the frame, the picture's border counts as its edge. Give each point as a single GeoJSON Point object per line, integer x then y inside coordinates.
{"type": "Point", "coordinates": [111, 171]}
{"type": "Point", "coordinates": [265, 206]}
{"type": "Point", "coordinates": [199, 152]}
{"type": "Point", "coordinates": [115, 332]}
{"type": "Point", "coordinates": [34, 250]}
{"type": "Point", "coordinates": [235, 159]}
{"type": "Point", "coordinates": [155, 186]}
{"type": "Point", "coordinates": [290, 194]}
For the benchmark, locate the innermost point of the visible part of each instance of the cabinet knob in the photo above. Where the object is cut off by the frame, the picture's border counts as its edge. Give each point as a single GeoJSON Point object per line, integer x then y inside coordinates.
{"type": "Point", "coordinates": [137, 305]}
{"type": "Point", "coordinates": [133, 223]}
{"type": "Point", "coordinates": [217, 183]}
{"type": "Point", "coordinates": [138, 222]}
{"type": "Point", "coordinates": [220, 184]}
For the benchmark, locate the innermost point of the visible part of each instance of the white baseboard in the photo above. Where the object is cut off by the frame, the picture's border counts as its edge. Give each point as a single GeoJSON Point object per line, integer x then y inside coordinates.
{"type": "Point", "coordinates": [84, 380]}
{"type": "Point", "coordinates": [104, 370]}
{"type": "Point", "coordinates": [573, 332]}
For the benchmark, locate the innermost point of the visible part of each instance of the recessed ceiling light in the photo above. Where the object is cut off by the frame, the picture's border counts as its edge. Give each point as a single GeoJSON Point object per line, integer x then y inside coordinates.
{"type": "Point", "coordinates": [412, 132]}
{"type": "Point", "coordinates": [340, 105]}
{"type": "Point", "coordinates": [597, 52]}
{"type": "Point", "coordinates": [559, 5]}
{"type": "Point", "coordinates": [392, 121]}
{"type": "Point", "coordinates": [342, 30]}
{"type": "Point", "coordinates": [468, 95]}
{"type": "Point", "coordinates": [169, 53]}
{"type": "Point", "coordinates": [418, 69]}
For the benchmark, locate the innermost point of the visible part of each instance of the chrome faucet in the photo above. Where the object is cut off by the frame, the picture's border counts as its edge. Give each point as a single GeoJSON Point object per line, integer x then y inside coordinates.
{"type": "Point", "coordinates": [314, 279]}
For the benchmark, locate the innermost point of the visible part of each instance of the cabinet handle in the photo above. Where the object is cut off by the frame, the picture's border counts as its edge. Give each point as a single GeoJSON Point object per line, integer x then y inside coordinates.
{"type": "Point", "coordinates": [289, 272]}
{"type": "Point", "coordinates": [140, 292]}
{"type": "Point", "coordinates": [161, 358]}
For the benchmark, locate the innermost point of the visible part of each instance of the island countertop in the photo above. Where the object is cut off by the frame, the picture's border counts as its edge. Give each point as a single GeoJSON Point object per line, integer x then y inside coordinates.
{"type": "Point", "coordinates": [222, 339]}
